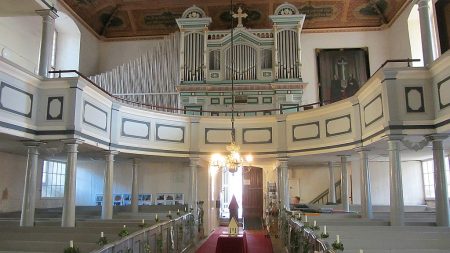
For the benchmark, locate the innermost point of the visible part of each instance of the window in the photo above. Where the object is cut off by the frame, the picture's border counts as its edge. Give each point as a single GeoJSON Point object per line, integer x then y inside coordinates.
{"type": "Point", "coordinates": [428, 177]}
{"type": "Point", "coordinates": [53, 178]}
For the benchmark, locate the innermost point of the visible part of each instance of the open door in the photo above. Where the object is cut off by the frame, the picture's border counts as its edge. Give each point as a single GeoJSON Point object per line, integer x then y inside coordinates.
{"type": "Point", "coordinates": [252, 197]}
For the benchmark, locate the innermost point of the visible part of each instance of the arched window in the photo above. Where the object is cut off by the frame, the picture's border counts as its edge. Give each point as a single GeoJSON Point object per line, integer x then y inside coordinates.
{"type": "Point", "coordinates": [66, 51]}
{"type": "Point", "coordinates": [415, 38]}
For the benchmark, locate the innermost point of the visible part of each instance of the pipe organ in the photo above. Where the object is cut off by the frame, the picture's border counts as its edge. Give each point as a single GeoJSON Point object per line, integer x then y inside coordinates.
{"type": "Point", "coordinates": [263, 60]}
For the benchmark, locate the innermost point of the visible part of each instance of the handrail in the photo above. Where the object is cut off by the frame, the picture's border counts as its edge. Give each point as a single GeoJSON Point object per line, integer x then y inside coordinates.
{"type": "Point", "coordinates": [158, 107]}
{"type": "Point", "coordinates": [408, 60]}
{"type": "Point", "coordinates": [155, 229]}
{"type": "Point", "coordinates": [325, 193]}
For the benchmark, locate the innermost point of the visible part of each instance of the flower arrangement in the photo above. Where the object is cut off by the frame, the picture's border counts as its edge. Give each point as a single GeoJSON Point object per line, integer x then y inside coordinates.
{"type": "Point", "coordinates": [143, 224]}
{"type": "Point", "coordinates": [337, 245]}
{"type": "Point", "coordinates": [71, 248]}
{"type": "Point", "coordinates": [102, 240]}
{"type": "Point", "coordinates": [169, 215]}
{"type": "Point", "coordinates": [156, 218]}
{"type": "Point", "coordinates": [124, 232]}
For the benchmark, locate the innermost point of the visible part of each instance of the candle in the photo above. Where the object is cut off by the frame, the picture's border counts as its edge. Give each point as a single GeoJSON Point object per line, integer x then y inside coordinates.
{"type": "Point", "coordinates": [101, 234]}
{"type": "Point", "coordinates": [71, 243]}
{"type": "Point", "coordinates": [324, 229]}
{"type": "Point", "coordinates": [169, 212]}
{"type": "Point", "coordinates": [337, 238]}
{"type": "Point", "coordinates": [178, 210]}
{"type": "Point", "coordinates": [361, 251]}
{"type": "Point", "coordinates": [156, 217]}
{"type": "Point", "coordinates": [306, 218]}
{"type": "Point", "coordinates": [185, 208]}
{"type": "Point", "coordinates": [143, 221]}
{"type": "Point", "coordinates": [315, 223]}
{"type": "Point", "coordinates": [124, 226]}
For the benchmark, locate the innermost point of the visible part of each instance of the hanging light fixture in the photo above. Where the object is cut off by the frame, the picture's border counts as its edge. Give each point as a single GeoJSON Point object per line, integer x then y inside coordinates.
{"type": "Point", "coordinates": [233, 160]}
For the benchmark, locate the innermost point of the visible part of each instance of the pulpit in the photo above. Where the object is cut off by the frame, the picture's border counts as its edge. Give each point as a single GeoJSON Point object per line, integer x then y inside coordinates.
{"type": "Point", "coordinates": [232, 243]}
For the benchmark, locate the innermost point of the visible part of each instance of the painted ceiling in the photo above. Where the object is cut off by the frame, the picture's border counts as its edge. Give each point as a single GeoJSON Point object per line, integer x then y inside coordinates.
{"type": "Point", "coordinates": [135, 18]}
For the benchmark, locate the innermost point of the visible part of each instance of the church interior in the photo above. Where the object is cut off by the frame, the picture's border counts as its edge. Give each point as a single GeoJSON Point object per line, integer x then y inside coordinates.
{"type": "Point", "coordinates": [213, 126]}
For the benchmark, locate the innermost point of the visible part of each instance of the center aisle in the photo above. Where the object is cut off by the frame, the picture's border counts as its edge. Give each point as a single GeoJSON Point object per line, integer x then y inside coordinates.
{"type": "Point", "coordinates": [258, 241]}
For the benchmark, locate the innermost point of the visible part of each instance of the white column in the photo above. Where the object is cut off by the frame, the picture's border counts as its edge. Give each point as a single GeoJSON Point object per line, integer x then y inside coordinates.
{"type": "Point", "coordinates": [440, 181]}
{"type": "Point", "coordinates": [107, 207]}
{"type": "Point", "coordinates": [332, 190]}
{"type": "Point", "coordinates": [396, 186]}
{"type": "Point", "coordinates": [29, 191]}
{"type": "Point", "coordinates": [283, 165]}
{"type": "Point", "coordinates": [425, 31]}
{"type": "Point", "coordinates": [193, 164]}
{"type": "Point", "coordinates": [135, 187]}
{"type": "Point", "coordinates": [275, 51]}
{"type": "Point", "coordinates": [68, 215]}
{"type": "Point", "coordinates": [366, 199]}
{"type": "Point", "coordinates": [344, 184]}
{"type": "Point", "coordinates": [48, 28]}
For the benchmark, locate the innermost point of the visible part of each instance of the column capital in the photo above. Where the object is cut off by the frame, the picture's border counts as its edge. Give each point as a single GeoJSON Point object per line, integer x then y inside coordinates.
{"type": "Point", "coordinates": [72, 145]}
{"type": "Point", "coordinates": [47, 13]}
{"type": "Point", "coordinates": [112, 152]}
{"type": "Point", "coordinates": [361, 149]}
{"type": "Point", "coordinates": [136, 161]}
{"type": "Point", "coordinates": [194, 160]}
{"type": "Point", "coordinates": [395, 137]}
{"type": "Point", "coordinates": [30, 144]}
{"type": "Point", "coordinates": [282, 161]}
{"type": "Point", "coordinates": [437, 137]}
{"type": "Point", "coordinates": [73, 141]}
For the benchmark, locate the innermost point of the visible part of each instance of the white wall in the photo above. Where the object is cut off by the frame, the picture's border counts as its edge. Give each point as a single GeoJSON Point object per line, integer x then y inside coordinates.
{"type": "Point", "coordinates": [21, 36]}
{"type": "Point", "coordinates": [413, 189]}
{"type": "Point", "coordinates": [313, 180]}
{"type": "Point", "coordinates": [153, 177]}
{"type": "Point", "coordinates": [376, 41]}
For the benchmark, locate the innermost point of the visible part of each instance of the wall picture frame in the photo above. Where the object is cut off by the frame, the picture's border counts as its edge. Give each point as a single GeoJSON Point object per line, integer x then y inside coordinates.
{"type": "Point", "coordinates": [341, 72]}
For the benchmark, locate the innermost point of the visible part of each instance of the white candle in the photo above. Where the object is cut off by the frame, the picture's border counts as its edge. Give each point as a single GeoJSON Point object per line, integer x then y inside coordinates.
{"type": "Point", "coordinates": [124, 226]}
{"type": "Point", "coordinates": [143, 221]}
{"type": "Point", "coordinates": [71, 243]}
{"type": "Point", "coordinates": [169, 212]}
{"type": "Point", "coordinates": [101, 234]}
{"type": "Point", "coordinates": [315, 223]}
{"type": "Point", "coordinates": [337, 238]}
{"type": "Point", "coordinates": [361, 251]}
{"type": "Point", "coordinates": [324, 229]}
{"type": "Point", "coordinates": [178, 210]}
{"type": "Point", "coordinates": [185, 208]}
{"type": "Point", "coordinates": [156, 217]}
{"type": "Point", "coordinates": [306, 218]}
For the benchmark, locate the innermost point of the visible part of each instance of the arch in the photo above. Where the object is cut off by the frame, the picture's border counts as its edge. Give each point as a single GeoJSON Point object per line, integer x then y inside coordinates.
{"type": "Point", "coordinates": [67, 43]}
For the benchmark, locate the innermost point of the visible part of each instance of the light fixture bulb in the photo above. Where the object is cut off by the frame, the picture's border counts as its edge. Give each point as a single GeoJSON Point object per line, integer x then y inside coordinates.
{"type": "Point", "coordinates": [249, 158]}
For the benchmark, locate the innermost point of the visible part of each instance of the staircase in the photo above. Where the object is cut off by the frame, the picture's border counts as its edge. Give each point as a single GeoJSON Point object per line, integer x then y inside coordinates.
{"type": "Point", "coordinates": [323, 198]}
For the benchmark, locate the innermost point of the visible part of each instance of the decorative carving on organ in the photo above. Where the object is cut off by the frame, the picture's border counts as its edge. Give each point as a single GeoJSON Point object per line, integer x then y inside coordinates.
{"type": "Point", "coordinates": [260, 54]}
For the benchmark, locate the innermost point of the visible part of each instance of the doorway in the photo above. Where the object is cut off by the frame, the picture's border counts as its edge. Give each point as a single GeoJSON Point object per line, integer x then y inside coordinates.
{"type": "Point", "coordinates": [252, 197]}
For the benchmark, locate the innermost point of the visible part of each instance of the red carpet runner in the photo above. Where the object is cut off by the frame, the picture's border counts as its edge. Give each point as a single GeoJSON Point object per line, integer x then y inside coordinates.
{"type": "Point", "coordinates": [256, 240]}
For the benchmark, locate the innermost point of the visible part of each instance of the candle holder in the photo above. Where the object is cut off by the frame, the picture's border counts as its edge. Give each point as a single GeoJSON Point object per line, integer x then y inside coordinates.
{"type": "Point", "coordinates": [324, 235]}
{"type": "Point", "coordinates": [156, 218]}
{"type": "Point", "coordinates": [178, 213]}
{"type": "Point", "coordinates": [72, 249]}
{"type": "Point", "coordinates": [338, 246]}
{"type": "Point", "coordinates": [143, 225]}
{"type": "Point", "coordinates": [102, 241]}
{"type": "Point", "coordinates": [124, 232]}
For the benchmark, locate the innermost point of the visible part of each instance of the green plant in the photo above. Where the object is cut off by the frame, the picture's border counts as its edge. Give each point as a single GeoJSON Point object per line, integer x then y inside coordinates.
{"type": "Point", "coordinates": [102, 241]}
{"type": "Point", "coordinates": [72, 250]}
{"type": "Point", "coordinates": [169, 216]}
{"type": "Point", "coordinates": [143, 225]}
{"type": "Point", "coordinates": [338, 246]}
{"type": "Point", "coordinates": [159, 243]}
{"type": "Point", "coordinates": [147, 248]}
{"type": "Point", "coordinates": [323, 235]}
{"type": "Point", "coordinates": [124, 232]}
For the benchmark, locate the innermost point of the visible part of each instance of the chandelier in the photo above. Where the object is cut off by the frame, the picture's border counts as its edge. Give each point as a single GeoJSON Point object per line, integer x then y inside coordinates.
{"type": "Point", "coordinates": [233, 161]}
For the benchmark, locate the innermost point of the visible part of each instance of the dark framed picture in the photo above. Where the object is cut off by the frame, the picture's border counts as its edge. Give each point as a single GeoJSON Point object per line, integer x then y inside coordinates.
{"type": "Point", "coordinates": [341, 72]}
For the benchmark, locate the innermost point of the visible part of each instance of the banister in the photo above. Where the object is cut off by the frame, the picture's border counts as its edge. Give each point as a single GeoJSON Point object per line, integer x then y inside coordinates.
{"type": "Point", "coordinates": [158, 107]}
{"type": "Point", "coordinates": [408, 60]}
